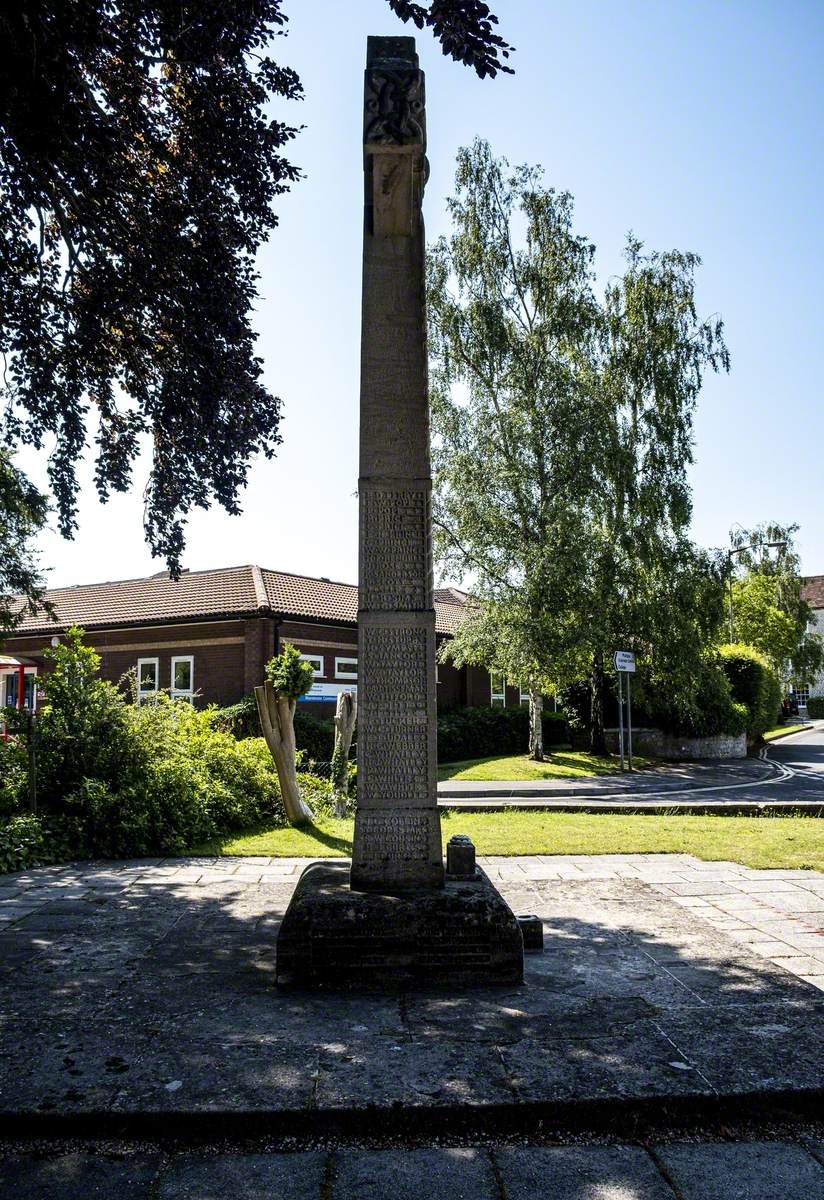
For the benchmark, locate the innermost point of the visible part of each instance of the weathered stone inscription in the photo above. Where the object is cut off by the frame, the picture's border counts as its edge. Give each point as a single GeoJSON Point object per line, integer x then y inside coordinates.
{"type": "Point", "coordinates": [394, 735]}
{"type": "Point", "coordinates": [394, 658]}
{"type": "Point", "coordinates": [395, 836]}
{"type": "Point", "coordinates": [395, 564]}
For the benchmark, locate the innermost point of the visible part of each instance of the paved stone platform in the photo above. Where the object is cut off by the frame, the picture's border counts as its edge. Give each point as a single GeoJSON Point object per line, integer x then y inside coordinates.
{"type": "Point", "coordinates": [754, 1170]}
{"type": "Point", "coordinates": [146, 989]}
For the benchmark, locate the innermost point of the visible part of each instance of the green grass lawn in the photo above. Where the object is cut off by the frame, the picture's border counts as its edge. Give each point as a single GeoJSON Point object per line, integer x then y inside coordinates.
{"type": "Point", "coordinates": [782, 730]}
{"type": "Point", "coordinates": [754, 841]}
{"type": "Point", "coordinates": [560, 764]}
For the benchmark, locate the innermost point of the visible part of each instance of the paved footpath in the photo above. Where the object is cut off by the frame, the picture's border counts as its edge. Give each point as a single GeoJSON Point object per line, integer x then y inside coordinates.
{"type": "Point", "coordinates": [137, 1005]}
{"type": "Point", "coordinates": [754, 1170]}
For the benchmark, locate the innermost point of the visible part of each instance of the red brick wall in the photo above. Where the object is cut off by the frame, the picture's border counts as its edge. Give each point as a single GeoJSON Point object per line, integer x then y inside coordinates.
{"type": "Point", "coordinates": [219, 650]}
{"type": "Point", "coordinates": [229, 657]}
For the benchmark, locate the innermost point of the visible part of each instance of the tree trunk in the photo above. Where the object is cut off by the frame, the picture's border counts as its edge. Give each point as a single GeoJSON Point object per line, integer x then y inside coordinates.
{"type": "Point", "coordinates": [536, 729]}
{"type": "Point", "coordinates": [277, 722]}
{"type": "Point", "coordinates": [597, 743]}
{"type": "Point", "coordinates": [346, 714]}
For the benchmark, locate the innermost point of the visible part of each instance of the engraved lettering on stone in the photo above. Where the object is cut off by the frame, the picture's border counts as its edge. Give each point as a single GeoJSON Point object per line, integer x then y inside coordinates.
{"type": "Point", "coordinates": [395, 836]}
{"type": "Point", "coordinates": [395, 550]}
{"type": "Point", "coordinates": [394, 741]}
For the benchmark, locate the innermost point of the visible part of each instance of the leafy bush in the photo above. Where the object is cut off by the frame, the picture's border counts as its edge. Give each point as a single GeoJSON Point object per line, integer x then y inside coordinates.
{"type": "Point", "coordinates": [815, 707]}
{"type": "Point", "coordinates": [754, 684]}
{"type": "Point", "coordinates": [27, 841]}
{"type": "Point", "coordinates": [241, 719]}
{"type": "Point", "coordinates": [711, 711]}
{"type": "Point", "coordinates": [316, 736]}
{"type": "Point", "coordinates": [484, 732]}
{"type": "Point", "coordinates": [121, 779]}
{"type": "Point", "coordinates": [13, 776]}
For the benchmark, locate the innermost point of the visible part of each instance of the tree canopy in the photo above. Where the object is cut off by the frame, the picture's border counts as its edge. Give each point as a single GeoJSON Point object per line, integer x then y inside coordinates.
{"type": "Point", "coordinates": [139, 167]}
{"type": "Point", "coordinates": [562, 428]}
{"type": "Point", "coordinates": [24, 512]}
{"type": "Point", "coordinates": [768, 610]}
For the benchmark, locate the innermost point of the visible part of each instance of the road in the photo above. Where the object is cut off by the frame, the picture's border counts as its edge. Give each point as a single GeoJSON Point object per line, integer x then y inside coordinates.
{"type": "Point", "coordinates": [791, 776]}
{"type": "Point", "coordinates": [802, 753]}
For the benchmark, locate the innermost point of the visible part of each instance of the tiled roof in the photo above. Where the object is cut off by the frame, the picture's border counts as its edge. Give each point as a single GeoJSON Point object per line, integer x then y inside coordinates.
{"type": "Point", "coordinates": [303, 596]}
{"type": "Point", "coordinates": [225, 592]}
{"type": "Point", "coordinates": [812, 590]}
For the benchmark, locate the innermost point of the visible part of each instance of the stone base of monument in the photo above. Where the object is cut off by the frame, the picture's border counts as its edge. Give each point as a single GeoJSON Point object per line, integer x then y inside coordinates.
{"type": "Point", "coordinates": [461, 935]}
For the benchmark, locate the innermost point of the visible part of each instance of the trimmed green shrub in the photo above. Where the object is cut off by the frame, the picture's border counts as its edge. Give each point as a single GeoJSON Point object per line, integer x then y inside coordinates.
{"type": "Point", "coordinates": [711, 711]}
{"type": "Point", "coordinates": [754, 684]}
{"type": "Point", "coordinates": [815, 707]}
{"type": "Point", "coordinates": [483, 732]}
{"type": "Point", "coordinates": [13, 776]}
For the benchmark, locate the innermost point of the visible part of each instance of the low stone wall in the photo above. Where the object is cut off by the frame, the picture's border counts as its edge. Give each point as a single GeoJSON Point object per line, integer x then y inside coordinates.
{"type": "Point", "coordinates": [654, 743]}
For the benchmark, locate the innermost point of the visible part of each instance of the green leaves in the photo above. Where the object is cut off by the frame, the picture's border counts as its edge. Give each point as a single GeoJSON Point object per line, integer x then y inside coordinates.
{"type": "Point", "coordinates": [23, 512]}
{"type": "Point", "coordinates": [562, 428]}
{"type": "Point", "coordinates": [768, 610]}
{"type": "Point", "coordinates": [288, 674]}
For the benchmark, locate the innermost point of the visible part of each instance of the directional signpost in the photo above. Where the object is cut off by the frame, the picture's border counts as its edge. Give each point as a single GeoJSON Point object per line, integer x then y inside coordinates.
{"type": "Point", "coordinates": [624, 661]}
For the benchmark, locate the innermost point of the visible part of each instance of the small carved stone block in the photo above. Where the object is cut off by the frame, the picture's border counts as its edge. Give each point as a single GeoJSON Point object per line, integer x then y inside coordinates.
{"type": "Point", "coordinates": [460, 857]}
{"type": "Point", "coordinates": [532, 930]}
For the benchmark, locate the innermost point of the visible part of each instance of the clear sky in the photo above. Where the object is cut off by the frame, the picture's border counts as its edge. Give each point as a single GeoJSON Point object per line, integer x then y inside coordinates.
{"type": "Point", "coordinates": [697, 125]}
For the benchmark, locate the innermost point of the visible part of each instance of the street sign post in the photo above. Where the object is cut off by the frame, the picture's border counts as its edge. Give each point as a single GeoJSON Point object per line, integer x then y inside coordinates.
{"type": "Point", "coordinates": [624, 661]}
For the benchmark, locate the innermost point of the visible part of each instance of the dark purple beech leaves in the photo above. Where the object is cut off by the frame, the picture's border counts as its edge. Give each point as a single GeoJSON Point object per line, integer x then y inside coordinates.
{"type": "Point", "coordinates": [140, 162]}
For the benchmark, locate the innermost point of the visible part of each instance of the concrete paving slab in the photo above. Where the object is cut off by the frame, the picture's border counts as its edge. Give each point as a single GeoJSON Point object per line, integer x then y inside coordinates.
{"type": "Point", "coordinates": [759, 1048]}
{"type": "Point", "coordinates": [744, 1171]}
{"type": "Point", "coordinates": [162, 1001]}
{"type": "Point", "coordinates": [581, 1173]}
{"type": "Point", "coordinates": [386, 1074]}
{"type": "Point", "coordinates": [297, 1176]}
{"type": "Point", "coordinates": [461, 1174]}
{"type": "Point", "coordinates": [78, 1177]}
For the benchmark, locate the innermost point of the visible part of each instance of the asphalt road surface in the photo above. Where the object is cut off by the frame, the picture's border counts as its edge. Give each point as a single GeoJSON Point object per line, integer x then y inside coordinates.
{"type": "Point", "coordinates": [791, 775]}
{"type": "Point", "coordinates": [802, 753]}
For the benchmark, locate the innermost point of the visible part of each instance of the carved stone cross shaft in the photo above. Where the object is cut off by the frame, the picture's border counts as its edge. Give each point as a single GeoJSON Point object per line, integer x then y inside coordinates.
{"type": "Point", "coordinates": [397, 843]}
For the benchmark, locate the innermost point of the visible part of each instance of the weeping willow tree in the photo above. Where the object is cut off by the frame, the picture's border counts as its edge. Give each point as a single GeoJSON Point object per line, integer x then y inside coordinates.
{"type": "Point", "coordinates": [562, 426]}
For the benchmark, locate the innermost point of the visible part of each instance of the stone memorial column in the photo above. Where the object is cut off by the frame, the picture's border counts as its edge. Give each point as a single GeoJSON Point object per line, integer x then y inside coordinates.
{"type": "Point", "coordinates": [394, 920]}
{"type": "Point", "coordinates": [397, 845]}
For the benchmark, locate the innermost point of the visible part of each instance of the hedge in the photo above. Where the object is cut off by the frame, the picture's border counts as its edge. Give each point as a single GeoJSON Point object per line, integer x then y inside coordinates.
{"type": "Point", "coordinates": [815, 707]}
{"type": "Point", "coordinates": [754, 684]}
{"type": "Point", "coordinates": [483, 732]}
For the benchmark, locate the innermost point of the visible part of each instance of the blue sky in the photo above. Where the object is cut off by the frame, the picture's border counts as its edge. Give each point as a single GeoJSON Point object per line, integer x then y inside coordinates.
{"type": "Point", "coordinates": [698, 126]}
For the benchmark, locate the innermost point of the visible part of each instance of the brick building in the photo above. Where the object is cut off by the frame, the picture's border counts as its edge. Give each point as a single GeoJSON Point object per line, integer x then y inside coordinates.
{"type": "Point", "coordinates": [208, 635]}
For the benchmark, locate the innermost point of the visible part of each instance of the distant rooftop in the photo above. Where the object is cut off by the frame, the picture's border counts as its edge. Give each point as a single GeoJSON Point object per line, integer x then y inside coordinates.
{"type": "Point", "coordinates": [221, 592]}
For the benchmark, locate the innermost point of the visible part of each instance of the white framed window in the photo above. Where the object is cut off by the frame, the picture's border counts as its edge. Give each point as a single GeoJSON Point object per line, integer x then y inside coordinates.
{"type": "Point", "coordinates": [346, 668]}
{"type": "Point", "coordinates": [183, 677]}
{"type": "Point", "coordinates": [148, 678]}
{"type": "Point", "coordinates": [9, 683]}
{"type": "Point", "coordinates": [497, 685]}
{"type": "Point", "coordinates": [317, 663]}
{"type": "Point", "coordinates": [524, 696]}
{"type": "Point", "coordinates": [801, 696]}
